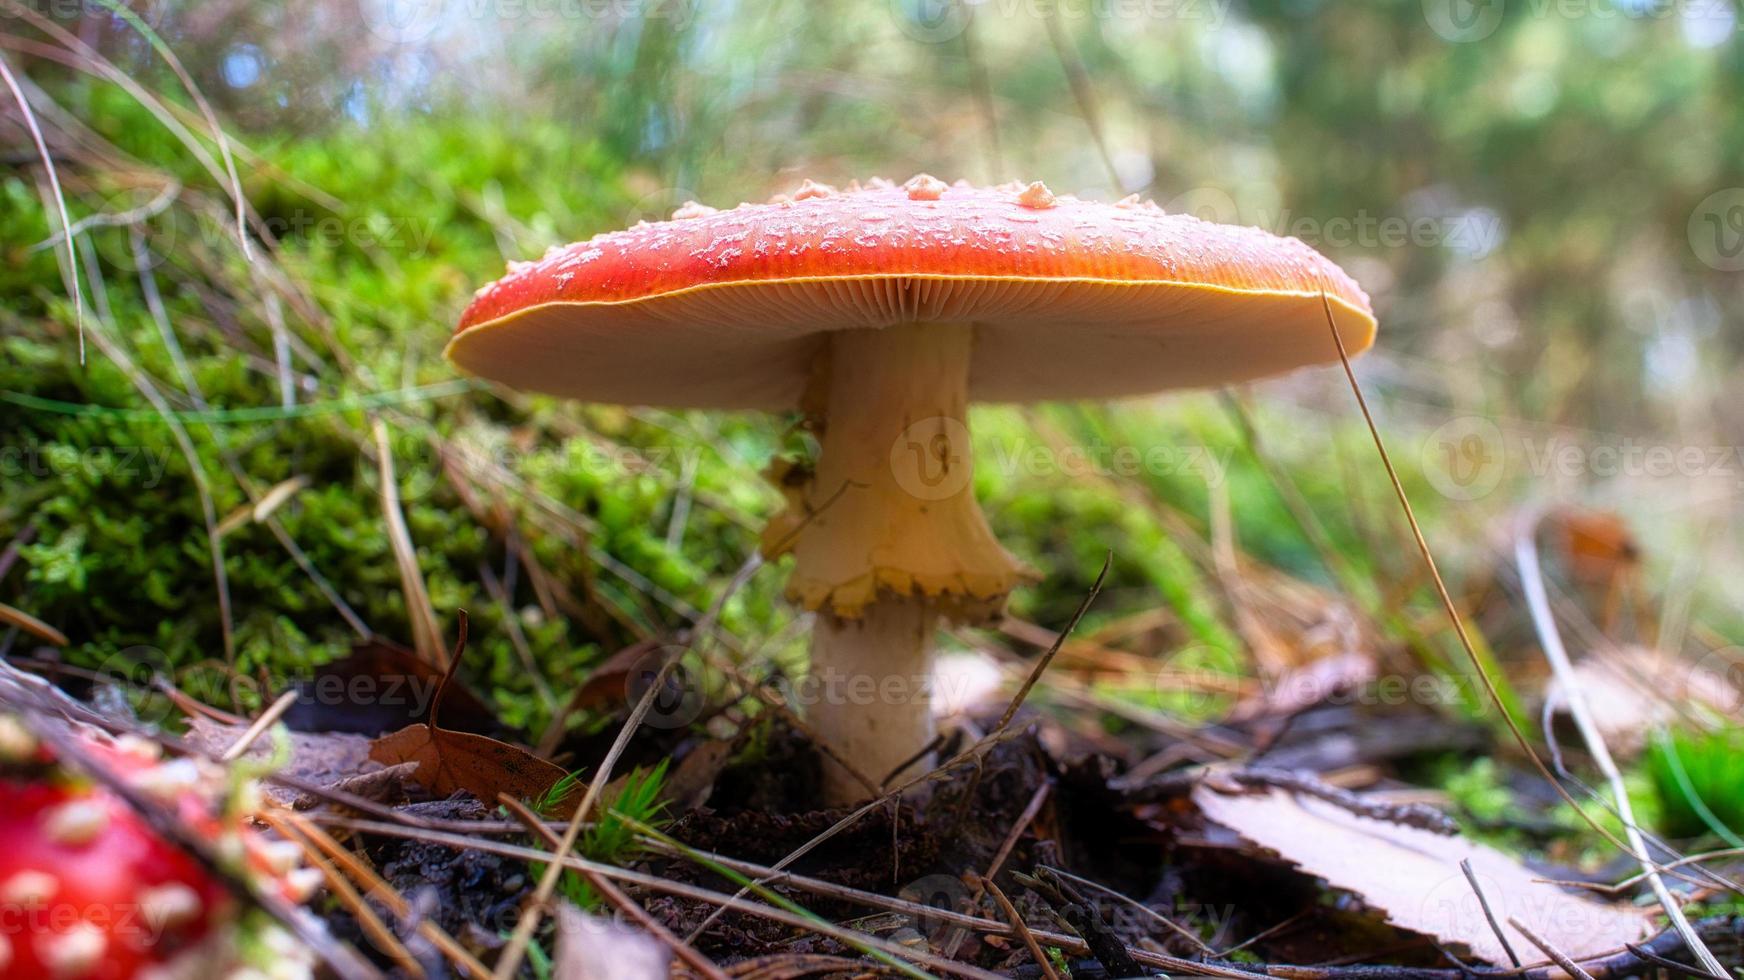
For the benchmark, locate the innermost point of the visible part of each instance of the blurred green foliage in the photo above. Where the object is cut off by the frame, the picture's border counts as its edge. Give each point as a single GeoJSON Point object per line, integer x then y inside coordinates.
{"type": "Point", "coordinates": [1698, 783]}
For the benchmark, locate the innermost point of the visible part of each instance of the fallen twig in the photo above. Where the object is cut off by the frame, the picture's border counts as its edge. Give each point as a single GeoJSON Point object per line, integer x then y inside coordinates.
{"type": "Point", "coordinates": [1544, 946]}
{"type": "Point", "coordinates": [1471, 878]}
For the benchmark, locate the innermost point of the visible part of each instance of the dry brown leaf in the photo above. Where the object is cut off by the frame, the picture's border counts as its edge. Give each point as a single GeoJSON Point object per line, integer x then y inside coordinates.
{"type": "Point", "coordinates": [1412, 877]}
{"type": "Point", "coordinates": [386, 785]}
{"type": "Point", "coordinates": [450, 760]}
{"type": "Point", "coordinates": [594, 948]}
{"type": "Point", "coordinates": [609, 683]}
{"type": "Point", "coordinates": [381, 687]}
{"type": "Point", "coordinates": [482, 766]}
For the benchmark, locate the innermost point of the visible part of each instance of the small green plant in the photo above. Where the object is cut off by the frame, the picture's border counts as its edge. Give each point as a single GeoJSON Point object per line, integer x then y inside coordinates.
{"type": "Point", "coordinates": [612, 838]}
{"type": "Point", "coordinates": [538, 960]}
{"type": "Point", "coordinates": [558, 794]}
{"type": "Point", "coordinates": [1696, 778]}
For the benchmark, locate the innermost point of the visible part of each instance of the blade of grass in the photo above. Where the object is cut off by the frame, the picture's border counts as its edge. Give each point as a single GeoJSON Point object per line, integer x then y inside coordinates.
{"type": "Point", "coordinates": [1674, 762]}
{"type": "Point", "coordinates": [71, 259]}
{"type": "Point", "coordinates": [169, 56]}
{"type": "Point", "coordinates": [426, 634]}
{"type": "Point", "coordinates": [85, 58]}
{"type": "Point", "coordinates": [208, 507]}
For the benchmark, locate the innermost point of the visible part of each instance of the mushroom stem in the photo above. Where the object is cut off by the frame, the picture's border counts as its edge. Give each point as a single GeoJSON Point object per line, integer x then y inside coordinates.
{"type": "Point", "coordinates": [887, 537]}
{"type": "Point", "coordinates": [871, 679]}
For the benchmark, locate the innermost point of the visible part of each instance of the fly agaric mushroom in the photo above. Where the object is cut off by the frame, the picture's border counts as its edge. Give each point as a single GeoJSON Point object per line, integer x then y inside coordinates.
{"type": "Point", "coordinates": [881, 311]}
{"type": "Point", "coordinates": [89, 891]}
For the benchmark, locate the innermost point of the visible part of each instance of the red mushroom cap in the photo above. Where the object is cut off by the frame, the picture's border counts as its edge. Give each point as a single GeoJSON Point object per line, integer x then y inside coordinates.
{"type": "Point", "coordinates": [90, 891]}
{"type": "Point", "coordinates": [1069, 298]}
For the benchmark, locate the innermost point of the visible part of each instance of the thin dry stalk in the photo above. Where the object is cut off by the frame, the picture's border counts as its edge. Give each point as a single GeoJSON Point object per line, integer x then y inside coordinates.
{"type": "Point", "coordinates": [1022, 823]}
{"type": "Point", "coordinates": [1447, 604]}
{"type": "Point", "coordinates": [83, 57]}
{"type": "Point", "coordinates": [517, 636]}
{"type": "Point", "coordinates": [732, 903]}
{"type": "Point", "coordinates": [60, 200]}
{"type": "Point", "coordinates": [263, 505]}
{"type": "Point", "coordinates": [1471, 878]}
{"type": "Point", "coordinates": [510, 960]}
{"type": "Point", "coordinates": [1076, 692]}
{"type": "Point", "coordinates": [1083, 91]}
{"type": "Point", "coordinates": [972, 754]}
{"type": "Point", "coordinates": [1017, 828]}
{"type": "Point", "coordinates": [775, 703]}
{"type": "Point", "coordinates": [169, 56]}
{"type": "Point", "coordinates": [624, 903]}
{"type": "Point", "coordinates": [1630, 882]}
{"type": "Point", "coordinates": [1550, 638]}
{"type": "Point", "coordinates": [1053, 651]}
{"type": "Point", "coordinates": [381, 891]}
{"type": "Point", "coordinates": [208, 509]}
{"type": "Point", "coordinates": [1263, 934]}
{"type": "Point", "coordinates": [1139, 906]}
{"type": "Point", "coordinates": [426, 635]}
{"type": "Point", "coordinates": [1677, 969]}
{"type": "Point", "coordinates": [1557, 956]}
{"type": "Point", "coordinates": [372, 925]}
{"type": "Point", "coordinates": [1022, 927]}
{"type": "Point", "coordinates": [267, 719]}
{"type": "Point", "coordinates": [12, 616]}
